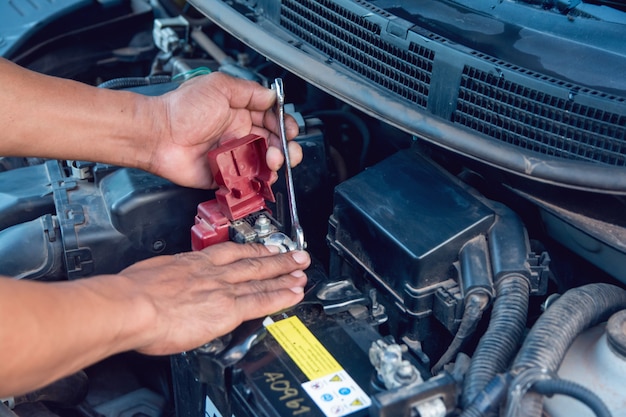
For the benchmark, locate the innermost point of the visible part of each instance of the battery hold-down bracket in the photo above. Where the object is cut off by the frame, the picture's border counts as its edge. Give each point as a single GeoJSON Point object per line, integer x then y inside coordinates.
{"type": "Point", "coordinates": [239, 211]}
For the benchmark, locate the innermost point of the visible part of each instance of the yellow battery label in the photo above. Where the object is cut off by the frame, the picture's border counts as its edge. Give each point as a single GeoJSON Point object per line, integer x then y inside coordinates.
{"type": "Point", "coordinates": [303, 348]}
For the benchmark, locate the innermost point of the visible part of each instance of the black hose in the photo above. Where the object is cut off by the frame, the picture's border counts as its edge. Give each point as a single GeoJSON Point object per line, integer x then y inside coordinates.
{"type": "Point", "coordinates": [548, 340]}
{"type": "Point", "coordinates": [129, 82]}
{"type": "Point", "coordinates": [551, 387]}
{"type": "Point", "coordinates": [489, 398]}
{"type": "Point", "coordinates": [508, 249]}
{"type": "Point", "coordinates": [500, 342]}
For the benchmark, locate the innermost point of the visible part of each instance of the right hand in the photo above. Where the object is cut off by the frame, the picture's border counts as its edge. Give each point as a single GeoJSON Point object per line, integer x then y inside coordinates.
{"type": "Point", "coordinates": [207, 111]}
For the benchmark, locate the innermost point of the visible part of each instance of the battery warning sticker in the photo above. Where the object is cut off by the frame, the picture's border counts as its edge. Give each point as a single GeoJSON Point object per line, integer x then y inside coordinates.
{"type": "Point", "coordinates": [331, 388]}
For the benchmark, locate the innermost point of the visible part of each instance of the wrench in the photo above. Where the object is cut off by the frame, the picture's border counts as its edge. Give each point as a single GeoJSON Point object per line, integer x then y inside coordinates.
{"type": "Point", "coordinates": [297, 234]}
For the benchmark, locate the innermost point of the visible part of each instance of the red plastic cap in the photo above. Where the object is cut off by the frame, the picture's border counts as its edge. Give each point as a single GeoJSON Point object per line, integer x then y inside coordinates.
{"type": "Point", "coordinates": [211, 226]}
{"type": "Point", "coordinates": [243, 177]}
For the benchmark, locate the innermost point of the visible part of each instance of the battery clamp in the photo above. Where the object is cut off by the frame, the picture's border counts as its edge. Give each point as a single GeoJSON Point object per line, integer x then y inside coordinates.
{"type": "Point", "coordinates": [239, 211]}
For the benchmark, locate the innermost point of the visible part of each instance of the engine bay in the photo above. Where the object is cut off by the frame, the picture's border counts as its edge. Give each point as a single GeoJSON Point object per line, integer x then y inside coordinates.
{"type": "Point", "coordinates": [442, 284]}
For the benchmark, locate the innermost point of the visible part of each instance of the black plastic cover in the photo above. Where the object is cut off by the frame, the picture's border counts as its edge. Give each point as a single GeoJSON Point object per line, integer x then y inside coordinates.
{"type": "Point", "coordinates": [404, 221]}
{"type": "Point", "coordinates": [528, 90]}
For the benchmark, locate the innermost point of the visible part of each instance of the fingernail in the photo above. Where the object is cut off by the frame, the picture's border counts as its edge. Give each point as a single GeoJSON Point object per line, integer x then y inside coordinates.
{"type": "Point", "coordinates": [297, 290]}
{"type": "Point", "coordinates": [300, 257]}
{"type": "Point", "coordinates": [273, 249]}
{"type": "Point", "coordinates": [297, 274]}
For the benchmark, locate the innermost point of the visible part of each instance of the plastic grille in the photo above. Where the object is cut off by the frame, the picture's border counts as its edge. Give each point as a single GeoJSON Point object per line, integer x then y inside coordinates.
{"type": "Point", "coordinates": [355, 42]}
{"type": "Point", "coordinates": [538, 121]}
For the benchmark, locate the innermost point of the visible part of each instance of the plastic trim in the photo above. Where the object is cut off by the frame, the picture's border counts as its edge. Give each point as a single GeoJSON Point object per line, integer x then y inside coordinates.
{"type": "Point", "coordinates": [571, 174]}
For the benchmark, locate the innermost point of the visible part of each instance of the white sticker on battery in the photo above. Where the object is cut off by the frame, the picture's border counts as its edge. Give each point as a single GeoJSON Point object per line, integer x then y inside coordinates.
{"type": "Point", "coordinates": [329, 386]}
{"type": "Point", "coordinates": [337, 394]}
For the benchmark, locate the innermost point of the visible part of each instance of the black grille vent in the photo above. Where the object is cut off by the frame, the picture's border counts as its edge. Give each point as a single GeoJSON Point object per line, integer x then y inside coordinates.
{"type": "Point", "coordinates": [355, 42]}
{"type": "Point", "coordinates": [538, 121]}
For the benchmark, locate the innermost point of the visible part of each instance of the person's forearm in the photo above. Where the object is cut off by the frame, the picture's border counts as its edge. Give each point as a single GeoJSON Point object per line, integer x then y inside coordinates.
{"type": "Point", "coordinates": [55, 118]}
{"type": "Point", "coordinates": [48, 331]}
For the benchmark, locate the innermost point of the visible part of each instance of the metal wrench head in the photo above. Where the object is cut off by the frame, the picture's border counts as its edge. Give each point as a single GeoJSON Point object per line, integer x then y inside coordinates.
{"type": "Point", "coordinates": [299, 237]}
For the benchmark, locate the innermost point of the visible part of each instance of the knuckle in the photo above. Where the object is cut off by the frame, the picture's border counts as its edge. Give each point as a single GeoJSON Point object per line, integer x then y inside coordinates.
{"type": "Point", "coordinates": [219, 76]}
{"type": "Point", "coordinates": [255, 264]}
{"type": "Point", "coordinates": [191, 256]}
{"type": "Point", "coordinates": [257, 249]}
{"type": "Point", "coordinates": [223, 245]}
{"type": "Point", "coordinates": [258, 287]}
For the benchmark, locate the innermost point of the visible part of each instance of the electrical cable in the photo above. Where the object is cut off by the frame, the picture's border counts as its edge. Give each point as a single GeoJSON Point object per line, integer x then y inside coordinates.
{"type": "Point", "coordinates": [550, 387]}
{"type": "Point", "coordinates": [473, 312]}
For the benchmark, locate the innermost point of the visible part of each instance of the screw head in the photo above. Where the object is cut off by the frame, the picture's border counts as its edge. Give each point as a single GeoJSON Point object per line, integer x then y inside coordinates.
{"type": "Point", "coordinates": [158, 245]}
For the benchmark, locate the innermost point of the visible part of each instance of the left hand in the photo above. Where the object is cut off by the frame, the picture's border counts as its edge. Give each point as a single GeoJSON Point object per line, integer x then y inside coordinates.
{"type": "Point", "coordinates": [194, 297]}
{"type": "Point", "coordinates": [207, 111]}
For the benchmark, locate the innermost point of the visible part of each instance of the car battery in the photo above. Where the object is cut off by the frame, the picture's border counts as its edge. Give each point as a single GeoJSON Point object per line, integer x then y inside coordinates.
{"type": "Point", "coordinates": [309, 363]}
{"type": "Point", "coordinates": [305, 363]}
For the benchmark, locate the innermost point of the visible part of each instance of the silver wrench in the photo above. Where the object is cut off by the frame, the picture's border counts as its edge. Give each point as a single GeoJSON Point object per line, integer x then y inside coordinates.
{"type": "Point", "coordinates": [297, 234]}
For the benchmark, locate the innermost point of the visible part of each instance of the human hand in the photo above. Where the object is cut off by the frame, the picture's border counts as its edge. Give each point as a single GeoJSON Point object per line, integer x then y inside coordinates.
{"type": "Point", "coordinates": [206, 111]}
{"type": "Point", "coordinates": [198, 296]}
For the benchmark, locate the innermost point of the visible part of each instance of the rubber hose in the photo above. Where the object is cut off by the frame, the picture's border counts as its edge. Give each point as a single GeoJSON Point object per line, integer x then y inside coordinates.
{"type": "Point", "coordinates": [488, 398]}
{"type": "Point", "coordinates": [502, 338]}
{"type": "Point", "coordinates": [550, 337]}
{"type": "Point", "coordinates": [28, 252]}
{"type": "Point", "coordinates": [551, 387]}
{"type": "Point", "coordinates": [129, 82]}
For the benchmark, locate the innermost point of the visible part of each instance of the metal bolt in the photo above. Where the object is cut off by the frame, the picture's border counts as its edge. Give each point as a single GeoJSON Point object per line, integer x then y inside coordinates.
{"type": "Point", "coordinates": [158, 245]}
{"type": "Point", "coordinates": [262, 225]}
{"type": "Point", "coordinates": [405, 371]}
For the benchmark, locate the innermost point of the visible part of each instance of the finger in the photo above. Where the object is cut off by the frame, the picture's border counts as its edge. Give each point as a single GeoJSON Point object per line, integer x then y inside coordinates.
{"type": "Point", "coordinates": [275, 158]}
{"type": "Point", "coordinates": [228, 252]}
{"type": "Point", "coordinates": [295, 153]}
{"type": "Point", "coordinates": [268, 267]}
{"type": "Point", "coordinates": [258, 118]}
{"type": "Point", "coordinates": [244, 94]}
{"type": "Point", "coordinates": [260, 131]}
{"type": "Point", "coordinates": [295, 281]}
{"type": "Point", "coordinates": [241, 123]}
{"type": "Point", "coordinates": [270, 121]}
{"type": "Point", "coordinates": [267, 303]}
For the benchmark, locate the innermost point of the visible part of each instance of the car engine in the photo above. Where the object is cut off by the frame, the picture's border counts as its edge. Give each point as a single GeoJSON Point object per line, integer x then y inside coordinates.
{"type": "Point", "coordinates": [461, 193]}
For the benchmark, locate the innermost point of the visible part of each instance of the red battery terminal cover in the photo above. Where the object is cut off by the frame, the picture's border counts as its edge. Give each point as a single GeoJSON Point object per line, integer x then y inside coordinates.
{"type": "Point", "coordinates": [243, 177]}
